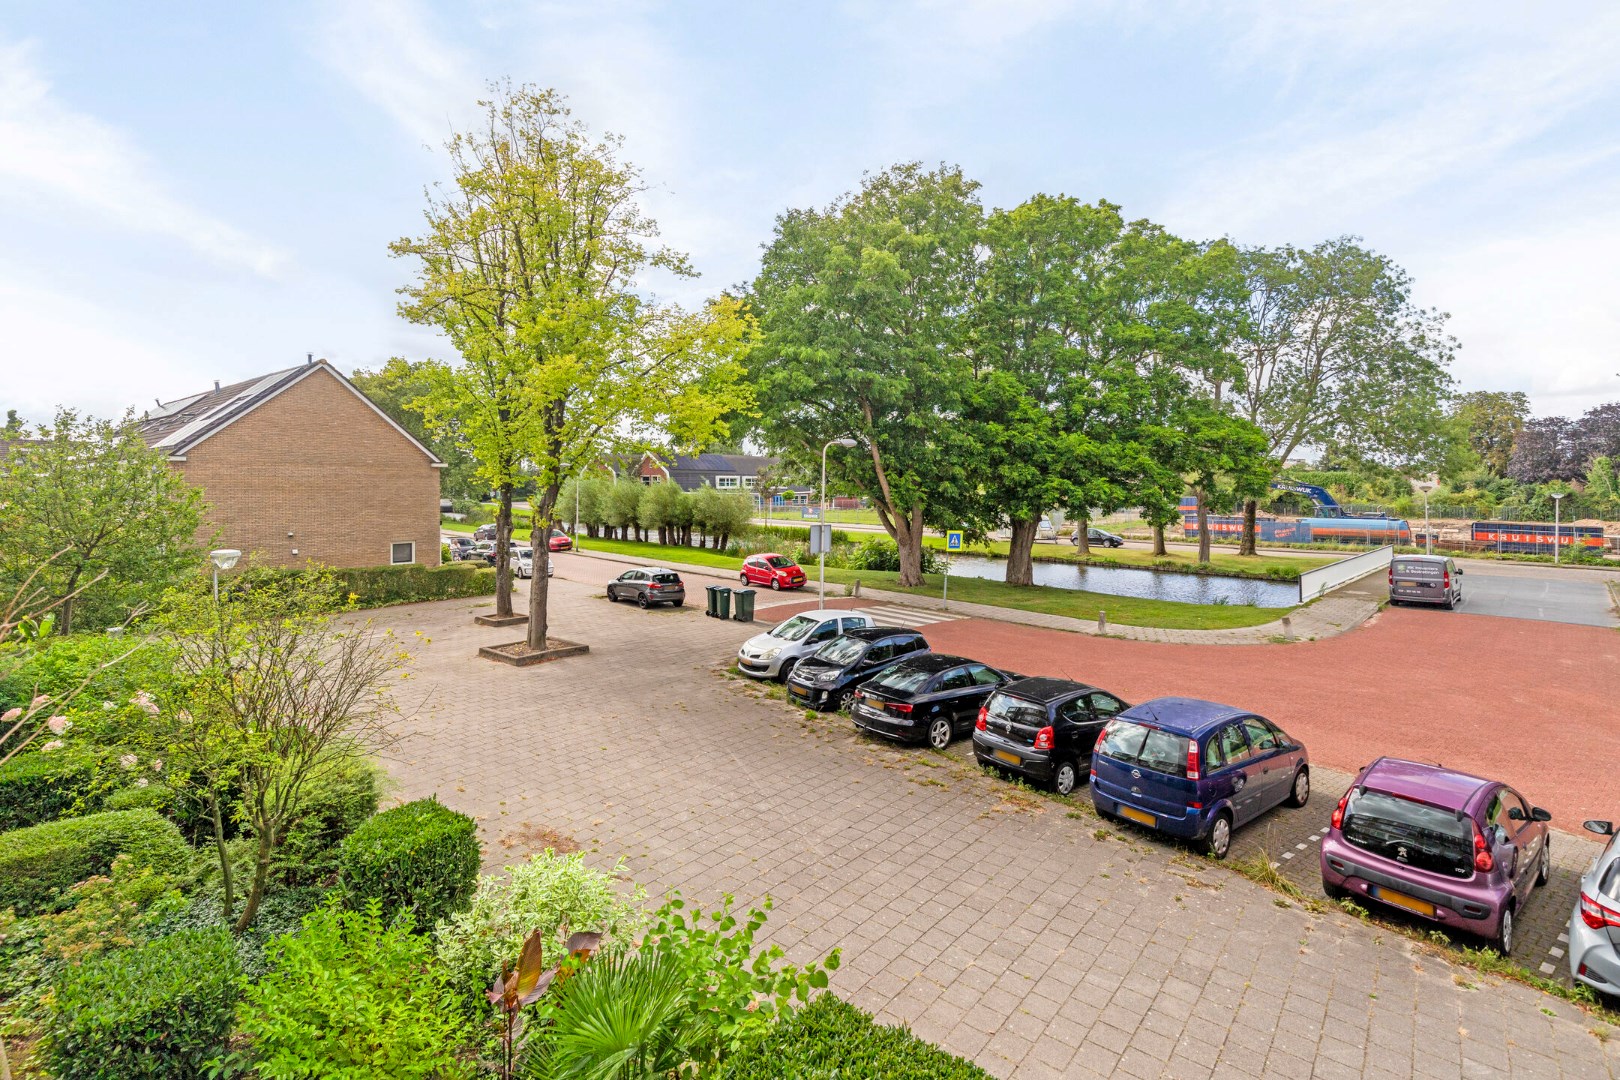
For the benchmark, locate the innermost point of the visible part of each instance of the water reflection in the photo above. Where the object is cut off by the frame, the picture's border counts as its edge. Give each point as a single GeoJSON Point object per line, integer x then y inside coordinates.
{"type": "Point", "coordinates": [1145, 584]}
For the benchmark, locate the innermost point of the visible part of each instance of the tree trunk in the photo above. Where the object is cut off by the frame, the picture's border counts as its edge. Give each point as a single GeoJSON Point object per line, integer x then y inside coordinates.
{"type": "Point", "coordinates": [1158, 541]}
{"type": "Point", "coordinates": [1020, 567]}
{"type": "Point", "coordinates": [224, 852]}
{"type": "Point", "coordinates": [1203, 528]}
{"type": "Point", "coordinates": [64, 610]}
{"type": "Point", "coordinates": [908, 537]}
{"type": "Point", "coordinates": [540, 581]}
{"type": "Point", "coordinates": [1082, 535]}
{"type": "Point", "coordinates": [261, 874]}
{"type": "Point", "coordinates": [503, 543]}
{"type": "Point", "coordinates": [1246, 541]}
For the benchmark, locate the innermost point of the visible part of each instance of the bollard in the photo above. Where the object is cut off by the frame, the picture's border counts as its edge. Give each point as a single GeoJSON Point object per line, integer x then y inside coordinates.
{"type": "Point", "coordinates": [1288, 628]}
{"type": "Point", "coordinates": [1102, 621]}
{"type": "Point", "coordinates": [857, 588]}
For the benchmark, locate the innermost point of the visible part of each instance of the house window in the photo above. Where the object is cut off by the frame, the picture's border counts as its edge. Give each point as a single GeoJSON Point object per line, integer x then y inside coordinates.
{"type": "Point", "coordinates": [750, 482]}
{"type": "Point", "coordinates": [726, 483]}
{"type": "Point", "coordinates": [403, 553]}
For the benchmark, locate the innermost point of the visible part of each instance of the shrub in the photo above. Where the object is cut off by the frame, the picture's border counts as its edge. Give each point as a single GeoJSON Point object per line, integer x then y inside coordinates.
{"type": "Point", "coordinates": [422, 855]}
{"type": "Point", "coordinates": [156, 797]}
{"type": "Point", "coordinates": [382, 586]}
{"type": "Point", "coordinates": [38, 786]}
{"type": "Point", "coordinates": [39, 864]}
{"type": "Point", "coordinates": [353, 996]}
{"type": "Point", "coordinates": [547, 893]}
{"type": "Point", "coordinates": [282, 911]}
{"type": "Point", "coordinates": [63, 664]}
{"type": "Point", "coordinates": [332, 804]}
{"type": "Point", "coordinates": [115, 911]}
{"type": "Point", "coordinates": [830, 1037]}
{"type": "Point", "coordinates": [161, 1010]}
{"type": "Point", "coordinates": [881, 553]}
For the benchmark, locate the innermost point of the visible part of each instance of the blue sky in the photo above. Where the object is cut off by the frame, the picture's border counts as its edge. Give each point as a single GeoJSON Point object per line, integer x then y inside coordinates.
{"type": "Point", "coordinates": [194, 192]}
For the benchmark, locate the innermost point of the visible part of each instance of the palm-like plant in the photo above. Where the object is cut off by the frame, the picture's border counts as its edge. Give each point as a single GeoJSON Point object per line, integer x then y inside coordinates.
{"type": "Point", "coordinates": [624, 1018]}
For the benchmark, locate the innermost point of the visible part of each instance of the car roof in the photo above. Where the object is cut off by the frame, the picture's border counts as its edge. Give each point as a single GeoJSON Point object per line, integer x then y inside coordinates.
{"type": "Point", "coordinates": [878, 633]}
{"type": "Point", "coordinates": [828, 613]}
{"type": "Point", "coordinates": [1043, 689]}
{"type": "Point", "coordinates": [933, 661]}
{"type": "Point", "coordinates": [651, 570]}
{"type": "Point", "coordinates": [1423, 558]}
{"type": "Point", "coordinates": [1183, 716]}
{"type": "Point", "coordinates": [765, 555]}
{"type": "Point", "coordinates": [1432, 784]}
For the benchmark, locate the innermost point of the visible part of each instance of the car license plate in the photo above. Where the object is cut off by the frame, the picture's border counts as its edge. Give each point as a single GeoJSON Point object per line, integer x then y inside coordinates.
{"type": "Point", "coordinates": [1011, 759]}
{"type": "Point", "coordinates": [1141, 817]}
{"type": "Point", "coordinates": [1401, 900]}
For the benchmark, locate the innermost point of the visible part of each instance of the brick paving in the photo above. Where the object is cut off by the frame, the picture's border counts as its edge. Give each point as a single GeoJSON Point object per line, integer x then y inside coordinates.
{"type": "Point", "coordinates": [1007, 927]}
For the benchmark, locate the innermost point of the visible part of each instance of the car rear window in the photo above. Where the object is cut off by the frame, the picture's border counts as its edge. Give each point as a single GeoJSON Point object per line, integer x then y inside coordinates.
{"type": "Point", "coordinates": [902, 680]}
{"type": "Point", "coordinates": [1412, 568]}
{"type": "Point", "coordinates": [667, 579]}
{"type": "Point", "coordinates": [1145, 747]}
{"type": "Point", "coordinates": [1412, 833]}
{"type": "Point", "coordinates": [1016, 710]}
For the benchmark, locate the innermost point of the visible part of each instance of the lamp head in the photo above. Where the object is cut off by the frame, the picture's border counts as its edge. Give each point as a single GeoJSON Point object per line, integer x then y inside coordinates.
{"type": "Point", "coordinates": [224, 558]}
{"type": "Point", "coordinates": [845, 442]}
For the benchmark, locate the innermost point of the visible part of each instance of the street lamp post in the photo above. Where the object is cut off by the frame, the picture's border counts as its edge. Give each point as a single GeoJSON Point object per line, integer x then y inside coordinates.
{"type": "Point", "coordinates": [821, 556]}
{"type": "Point", "coordinates": [1558, 505]}
{"type": "Point", "coordinates": [223, 559]}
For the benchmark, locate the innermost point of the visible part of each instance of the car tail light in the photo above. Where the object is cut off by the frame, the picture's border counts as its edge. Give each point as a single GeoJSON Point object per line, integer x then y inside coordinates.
{"type": "Point", "coordinates": [1445, 580]}
{"type": "Point", "coordinates": [1596, 915]}
{"type": "Point", "coordinates": [654, 585]}
{"type": "Point", "coordinates": [1338, 811]}
{"type": "Point", "coordinates": [1045, 739]}
{"type": "Point", "coordinates": [1101, 735]}
{"type": "Point", "coordinates": [900, 707]}
{"type": "Point", "coordinates": [1192, 759]}
{"type": "Point", "coordinates": [979, 724]}
{"type": "Point", "coordinates": [1483, 860]}
{"type": "Point", "coordinates": [1392, 575]}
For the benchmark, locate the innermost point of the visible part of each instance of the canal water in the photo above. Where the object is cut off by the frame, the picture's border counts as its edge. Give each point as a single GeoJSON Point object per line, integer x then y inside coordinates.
{"type": "Point", "coordinates": [1144, 584]}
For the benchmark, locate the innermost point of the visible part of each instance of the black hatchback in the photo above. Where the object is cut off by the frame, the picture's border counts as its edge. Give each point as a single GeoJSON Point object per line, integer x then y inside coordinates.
{"type": "Point", "coordinates": [827, 678]}
{"type": "Point", "coordinates": [930, 698]}
{"type": "Point", "coordinates": [1044, 729]}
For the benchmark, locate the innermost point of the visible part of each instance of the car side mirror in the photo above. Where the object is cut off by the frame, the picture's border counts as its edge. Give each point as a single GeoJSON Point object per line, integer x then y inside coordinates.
{"type": "Point", "coordinates": [1602, 828]}
{"type": "Point", "coordinates": [1459, 571]}
{"type": "Point", "coordinates": [1515, 814]}
{"type": "Point", "coordinates": [1538, 814]}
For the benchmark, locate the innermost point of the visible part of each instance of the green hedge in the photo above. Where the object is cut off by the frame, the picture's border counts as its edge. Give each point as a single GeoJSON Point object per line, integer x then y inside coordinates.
{"type": "Point", "coordinates": [160, 1011]}
{"type": "Point", "coordinates": [332, 805]}
{"type": "Point", "coordinates": [422, 855]}
{"type": "Point", "coordinates": [383, 586]}
{"type": "Point", "coordinates": [39, 786]}
{"type": "Point", "coordinates": [38, 864]}
{"type": "Point", "coordinates": [831, 1038]}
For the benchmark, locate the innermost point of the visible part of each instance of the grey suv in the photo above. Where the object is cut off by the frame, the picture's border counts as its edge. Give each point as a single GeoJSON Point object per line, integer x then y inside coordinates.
{"type": "Point", "coordinates": [1594, 927]}
{"type": "Point", "coordinates": [648, 585]}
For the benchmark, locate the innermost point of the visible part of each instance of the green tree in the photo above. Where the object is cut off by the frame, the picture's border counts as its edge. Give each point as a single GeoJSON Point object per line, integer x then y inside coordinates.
{"type": "Point", "coordinates": [861, 307]}
{"type": "Point", "coordinates": [545, 220]}
{"type": "Point", "coordinates": [1335, 354]}
{"type": "Point", "coordinates": [1492, 419]}
{"type": "Point", "coordinates": [622, 508]}
{"type": "Point", "coordinates": [666, 508]}
{"type": "Point", "coordinates": [14, 426]}
{"type": "Point", "coordinates": [399, 388]}
{"type": "Point", "coordinates": [101, 520]}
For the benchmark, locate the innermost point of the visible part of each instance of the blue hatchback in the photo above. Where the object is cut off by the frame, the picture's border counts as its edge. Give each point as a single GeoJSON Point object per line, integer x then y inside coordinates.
{"type": "Point", "coordinates": [1195, 769]}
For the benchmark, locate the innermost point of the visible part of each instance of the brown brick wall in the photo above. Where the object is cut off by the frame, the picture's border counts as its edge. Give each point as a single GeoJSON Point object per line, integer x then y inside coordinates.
{"type": "Point", "coordinates": [317, 462]}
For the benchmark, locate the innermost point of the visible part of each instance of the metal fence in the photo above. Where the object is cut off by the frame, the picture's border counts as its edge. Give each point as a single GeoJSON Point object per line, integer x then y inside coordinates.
{"type": "Point", "coordinates": [1314, 583]}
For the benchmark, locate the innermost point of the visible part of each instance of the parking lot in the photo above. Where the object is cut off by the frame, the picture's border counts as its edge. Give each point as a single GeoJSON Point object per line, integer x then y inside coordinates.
{"type": "Point", "coordinates": [995, 921]}
{"type": "Point", "coordinates": [1548, 594]}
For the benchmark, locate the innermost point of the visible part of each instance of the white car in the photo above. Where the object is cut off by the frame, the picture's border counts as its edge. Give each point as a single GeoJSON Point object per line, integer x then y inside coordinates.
{"type": "Point", "coordinates": [771, 655]}
{"type": "Point", "coordinates": [523, 563]}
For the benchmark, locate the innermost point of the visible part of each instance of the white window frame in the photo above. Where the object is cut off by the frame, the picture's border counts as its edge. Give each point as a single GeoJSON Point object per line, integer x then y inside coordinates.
{"type": "Point", "coordinates": [726, 483]}
{"type": "Point", "coordinates": [394, 544]}
{"type": "Point", "coordinates": [750, 482]}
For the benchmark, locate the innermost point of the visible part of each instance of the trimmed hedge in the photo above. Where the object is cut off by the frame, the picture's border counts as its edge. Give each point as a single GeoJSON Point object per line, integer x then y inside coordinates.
{"type": "Point", "coordinates": [384, 586]}
{"type": "Point", "coordinates": [331, 806]}
{"type": "Point", "coordinates": [38, 786]}
{"type": "Point", "coordinates": [423, 856]}
{"type": "Point", "coordinates": [831, 1038]}
{"type": "Point", "coordinates": [160, 1011]}
{"type": "Point", "coordinates": [39, 864]}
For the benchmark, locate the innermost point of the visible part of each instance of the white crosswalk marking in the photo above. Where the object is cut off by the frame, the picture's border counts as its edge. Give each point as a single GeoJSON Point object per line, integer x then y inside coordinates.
{"type": "Point", "coordinates": [907, 617]}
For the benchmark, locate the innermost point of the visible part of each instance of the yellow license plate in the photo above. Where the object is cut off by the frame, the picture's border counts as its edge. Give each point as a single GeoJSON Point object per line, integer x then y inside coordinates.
{"type": "Point", "coordinates": [1141, 817]}
{"type": "Point", "coordinates": [1401, 900]}
{"type": "Point", "coordinates": [1011, 759]}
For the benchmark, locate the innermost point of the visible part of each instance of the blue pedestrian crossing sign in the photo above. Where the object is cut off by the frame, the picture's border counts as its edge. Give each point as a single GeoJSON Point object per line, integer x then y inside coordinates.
{"type": "Point", "coordinates": [953, 540]}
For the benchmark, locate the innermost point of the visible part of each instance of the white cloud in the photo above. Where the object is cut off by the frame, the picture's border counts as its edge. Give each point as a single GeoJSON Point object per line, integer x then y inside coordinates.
{"type": "Point", "coordinates": [50, 153]}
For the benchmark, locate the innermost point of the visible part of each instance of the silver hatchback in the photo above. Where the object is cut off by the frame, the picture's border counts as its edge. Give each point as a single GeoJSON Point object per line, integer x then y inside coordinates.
{"type": "Point", "coordinates": [1594, 928]}
{"type": "Point", "coordinates": [1425, 579]}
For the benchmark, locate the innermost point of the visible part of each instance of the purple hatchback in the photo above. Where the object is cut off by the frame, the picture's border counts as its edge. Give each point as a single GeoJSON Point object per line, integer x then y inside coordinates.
{"type": "Point", "coordinates": [1449, 847]}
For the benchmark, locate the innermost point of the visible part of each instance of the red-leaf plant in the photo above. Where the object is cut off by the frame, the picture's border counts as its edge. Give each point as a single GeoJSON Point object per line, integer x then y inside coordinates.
{"type": "Point", "coordinates": [527, 983]}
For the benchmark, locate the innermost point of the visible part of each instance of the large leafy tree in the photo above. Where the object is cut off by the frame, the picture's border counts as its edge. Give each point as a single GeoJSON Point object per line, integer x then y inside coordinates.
{"type": "Point", "coordinates": [1492, 419]}
{"type": "Point", "coordinates": [862, 307]}
{"type": "Point", "coordinates": [531, 265]}
{"type": "Point", "coordinates": [101, 520]}
{"type": "Point", "coordinates": [398, 388]}
{"type": "Point", "coordinates": [1334, 353]}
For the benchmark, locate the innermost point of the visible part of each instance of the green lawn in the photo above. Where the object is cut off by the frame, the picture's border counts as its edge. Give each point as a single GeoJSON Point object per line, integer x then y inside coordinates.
{"type": "Point", "coordinates": [1070, 602]}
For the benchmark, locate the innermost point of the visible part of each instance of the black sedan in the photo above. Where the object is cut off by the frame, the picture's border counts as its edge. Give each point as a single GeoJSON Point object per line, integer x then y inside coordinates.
{"type": "Point", "coordinates": [827, 678]}
{"type": "Point", "coordinates": [648, 585]}
{"type": "Point", "coordinates": [931, 698]}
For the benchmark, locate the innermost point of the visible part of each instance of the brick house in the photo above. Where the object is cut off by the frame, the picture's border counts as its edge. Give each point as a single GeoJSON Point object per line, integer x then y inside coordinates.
{"type": "Point", "coordinates": [300, 466]}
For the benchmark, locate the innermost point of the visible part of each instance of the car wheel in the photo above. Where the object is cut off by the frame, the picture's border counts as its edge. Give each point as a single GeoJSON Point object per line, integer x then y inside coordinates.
{"type": "Point", "coordinates": [939, 733]}
{"type": "Point", "coordinates": [1503, 942]}
{"type": "Point", "coordinates": [613, 597]}
{"type": "Point", "coordinates": [641, 601]}
{"type": "Point", "coordinates": [677, 603]}
{"type": "Point", "coordinates": [1544, 871]}
{"type": "Point", "coordinates": [776, 585]}
{"type": "Point", "coordinates": [1219, 840]}
{"type": "Point", "coordinates": [1333, 892]}
{"type": "Point", "coordinates": [842, 700]}
{"type": "Point", "coordinates": [1300, 794]}
{"type": "Point", "coordinates": [1066, 778]}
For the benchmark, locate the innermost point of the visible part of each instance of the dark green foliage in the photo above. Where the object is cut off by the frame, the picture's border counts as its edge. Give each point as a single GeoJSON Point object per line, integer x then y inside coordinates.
{"type": "Point", "coordinates": [158, 797]}
{"type": "Point", "coordinates": [383, 586]}
{"type": "Point", "coordinates": [332, 805]}
{"type": "Point", "coordinates": [162, 1010]}
{"type": "Point", "coordinates": [881, 553]}
{"type": "Point", "coordinates": [282, 911]}
{"type": "Point", "coordinates": [39, 864]}
{"type": "Point", "coordinates": [422, 856]}
{"type": "Point", "coordinates": [39, 786]}
{"type": "Point", "coordinates": [831, 1038]}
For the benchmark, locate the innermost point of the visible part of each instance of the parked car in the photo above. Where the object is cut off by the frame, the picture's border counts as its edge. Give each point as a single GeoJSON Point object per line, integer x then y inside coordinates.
{"type": "Point", "coordinates": [1099, 538]}
{"type": "Point", "coordinates": [1594, 927]}
{"type": "Point", "coordinates": [560, 541]}
{"type": "Point", "coordinates": [1045, 530]}
{"type": "Point", "coordinates": [523, 563]}
{"type": "Point", "coordinates": [648, 585]}
{"type": "Point", "coordinates": [1196, 769]}
{"type": "Point", "coordinates": [1043, 729]}
{"type": "Point", "coordinates": [772, 570]}
{"type": "Point", "coordinates": [827, 678]}
{"type": "Point", "coordinates": [1454, 849]}
{"type": "Point", "coordinates": [1425, 579]}
{"type": "Point", "coordinates": [459, 547]}
{"type": "Point", "coordinates": [482, 551]}
{"type": "Point", "coordinates": [485, 532]}
{"type": "Point", "coordinates": [771, 655]}
{"type": "Point", "coordinates": [928, 698]}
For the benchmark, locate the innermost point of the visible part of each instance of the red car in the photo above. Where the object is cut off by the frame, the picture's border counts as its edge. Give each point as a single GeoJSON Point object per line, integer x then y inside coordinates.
{"type": "Point", "coordinates": [560, 541]}
{"type": "Point", "coordinates": [777, 571]}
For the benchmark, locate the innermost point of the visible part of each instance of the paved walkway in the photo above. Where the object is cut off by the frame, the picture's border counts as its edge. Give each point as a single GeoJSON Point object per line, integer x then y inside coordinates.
{"type": "Point", "coordinates": [1007, 927]}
